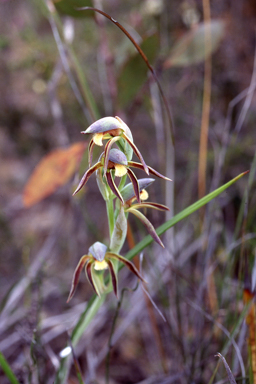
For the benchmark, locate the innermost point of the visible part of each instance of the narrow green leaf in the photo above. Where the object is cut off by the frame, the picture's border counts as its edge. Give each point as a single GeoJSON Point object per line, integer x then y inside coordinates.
{"type": "Point", "coordinates": [182, 215]}
{"type": "Point", "coordinates": [134, 73]}
{"type": "Point", "coordinates": [7, 370]}
{"type": "Point", "coordinates": [68, 7]}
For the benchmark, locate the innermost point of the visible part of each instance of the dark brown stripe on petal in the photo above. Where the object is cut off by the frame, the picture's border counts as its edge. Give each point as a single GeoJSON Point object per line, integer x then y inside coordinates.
{"type": "Point", "coordinates": [151, 170]}
{"type": "Point", "coordinates": [135, 184]}
{"type": "Point", "coordinates": [87, 175]}
{"type": "Point", "coordinates": [148, 204]}
{"type": "Point", "coordinates": [127, 263]}
{"type": "Point", "coordinates": [107, 150]}
{"type": "Point", "coordinates": [88, 269]}
{"type": "Point", "coordinates": [113, 187]}
{"type": "Point", "coordinates": [147, 224]}
{"type": "Point", "coordinates": [76, 275]}
{"type": "Point", "coordinates": [113, 276]}
{"type": "Point", "coordinates": [137, 152]}
{"type": "Point", "coordinates": [90, 150]}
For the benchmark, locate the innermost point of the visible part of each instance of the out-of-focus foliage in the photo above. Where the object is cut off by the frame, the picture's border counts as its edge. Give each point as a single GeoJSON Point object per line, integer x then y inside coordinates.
{"type": "Point", "coordinates": [134, 72]}
{"type": "Point", "coordinates": [69, 7]}
{"type": "Point", "coordinates": [194, 46]}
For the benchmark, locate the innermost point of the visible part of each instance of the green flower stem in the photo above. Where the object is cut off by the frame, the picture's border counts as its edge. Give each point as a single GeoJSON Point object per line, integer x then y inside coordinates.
{"type": "Point", "coordinates": [110, 212]}
{"type": "Point", "coordinates": [122, 182]}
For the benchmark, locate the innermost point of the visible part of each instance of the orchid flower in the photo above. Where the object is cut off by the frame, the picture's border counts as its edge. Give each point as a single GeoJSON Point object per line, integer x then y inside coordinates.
{"type": "Point", "coordinates": [114, 159]}
{"type": "Point", "coordinates": [113, 129]}
{"type": "Point", "coordinates": [129, 207]}
{"type": "Point", "coordinates": [99, 259]}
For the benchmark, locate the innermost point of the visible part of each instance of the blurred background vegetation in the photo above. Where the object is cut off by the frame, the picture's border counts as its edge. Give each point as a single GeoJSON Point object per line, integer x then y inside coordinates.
{"type": "Point", "coordinates": [62, 69]}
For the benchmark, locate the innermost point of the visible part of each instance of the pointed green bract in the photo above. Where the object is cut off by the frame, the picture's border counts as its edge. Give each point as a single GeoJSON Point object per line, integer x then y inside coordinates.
{"type": "Point", "coordinates": [102, 185]}
{"type": "Point", "coordinates": [119, 233]}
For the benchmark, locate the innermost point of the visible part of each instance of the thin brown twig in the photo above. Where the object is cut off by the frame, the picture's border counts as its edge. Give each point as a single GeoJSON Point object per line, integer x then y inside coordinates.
{"type": "Point", "coordinates": [170, 120]}
{"type": "Point", "coordinates": [202, 166]}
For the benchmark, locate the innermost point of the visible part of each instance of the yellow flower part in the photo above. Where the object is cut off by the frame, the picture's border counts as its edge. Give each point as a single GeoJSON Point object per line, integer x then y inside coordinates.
{"type": "Point", "coordinates": [97, 138]}
{"type": "Point", "coordinates": [100, 265]}
{"type": "Point", "coordinates": [143, 194]}
{"type": "Point", "coordinates": [120, 170]}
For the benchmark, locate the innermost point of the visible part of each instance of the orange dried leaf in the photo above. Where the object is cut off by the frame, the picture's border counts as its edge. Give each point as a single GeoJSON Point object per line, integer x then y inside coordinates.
{"type": "Point", "coordinates": [53, 171]}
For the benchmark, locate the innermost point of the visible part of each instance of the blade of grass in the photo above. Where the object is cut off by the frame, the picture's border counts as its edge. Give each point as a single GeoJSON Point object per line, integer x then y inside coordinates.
{"type": "Point", "coordinates": [231, 378]}
{"type": "Point", "coordinates": [182, 215]}
{"type": "Point", "coordinates": [86, 99]}
{"type": "Point", "coordinates": [7, 370]}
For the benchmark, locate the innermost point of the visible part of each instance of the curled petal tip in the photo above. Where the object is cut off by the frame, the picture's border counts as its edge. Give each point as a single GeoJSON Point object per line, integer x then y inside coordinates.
{"type": "Point", "coordinates": [77, 190]}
